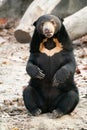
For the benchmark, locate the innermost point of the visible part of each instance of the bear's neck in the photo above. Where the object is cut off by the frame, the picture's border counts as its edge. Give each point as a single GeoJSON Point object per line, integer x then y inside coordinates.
{"type": "Point", "coordinates": [49, 43]}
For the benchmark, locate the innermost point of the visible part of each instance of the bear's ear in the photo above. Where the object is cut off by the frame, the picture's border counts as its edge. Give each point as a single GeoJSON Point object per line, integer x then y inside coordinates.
{"type": "Point", "coordinates": [61, 19]}
{"type": "Point", "coordinates": [35, 23]}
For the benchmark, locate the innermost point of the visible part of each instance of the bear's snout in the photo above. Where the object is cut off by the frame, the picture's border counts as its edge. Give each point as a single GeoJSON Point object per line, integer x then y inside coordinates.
{"type": "Point", "coordinates": [48, 29]}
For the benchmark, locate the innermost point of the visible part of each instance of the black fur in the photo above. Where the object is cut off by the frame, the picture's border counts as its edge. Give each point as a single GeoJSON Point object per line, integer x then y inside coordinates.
{"type": "Point", "coordinates": [52, 87]}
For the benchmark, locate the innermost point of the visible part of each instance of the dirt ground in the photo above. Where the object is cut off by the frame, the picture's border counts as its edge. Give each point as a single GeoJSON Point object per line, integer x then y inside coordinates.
{"type": "Point", "coordinates": [13, 78]}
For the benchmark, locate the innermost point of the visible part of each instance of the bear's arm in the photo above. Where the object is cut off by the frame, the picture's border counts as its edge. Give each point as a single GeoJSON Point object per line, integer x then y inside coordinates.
{"type": "Point", "coordinates": [33, 70]}
{"type": "Point", "coordinates": [66, 72]}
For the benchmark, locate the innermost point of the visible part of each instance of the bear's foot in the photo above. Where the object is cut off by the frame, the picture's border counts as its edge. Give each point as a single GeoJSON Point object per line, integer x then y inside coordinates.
{"type": "Point", "coordinates": [36, 112]}
{"type": "Point", "coordinates": [57, 113]}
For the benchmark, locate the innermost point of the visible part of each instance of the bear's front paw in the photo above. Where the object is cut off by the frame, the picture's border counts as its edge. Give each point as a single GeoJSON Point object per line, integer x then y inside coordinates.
{"type": "Point", "coordinates": [35, 72]}
{"type": "Point", "coordinates": [40, 74]}
{"type": "Point", "coordinates": [55, 83]}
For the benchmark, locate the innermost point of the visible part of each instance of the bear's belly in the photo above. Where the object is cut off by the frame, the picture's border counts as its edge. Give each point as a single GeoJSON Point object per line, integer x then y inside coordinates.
{"type": "Point", "coordinates": [45, 89]}
{"type": "Point", "coordinates": [50, 65]}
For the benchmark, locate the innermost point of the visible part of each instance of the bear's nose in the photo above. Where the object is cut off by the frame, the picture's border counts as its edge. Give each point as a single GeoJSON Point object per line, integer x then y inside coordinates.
{"type": "Point", "coordinates": [47, 30]}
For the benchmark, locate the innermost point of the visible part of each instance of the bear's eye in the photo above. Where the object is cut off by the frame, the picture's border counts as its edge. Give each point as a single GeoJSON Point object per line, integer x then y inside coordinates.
{"type": "Point", "coordinates": [42, 23]}
{"type": "Point", "coordinates": [53, 22]}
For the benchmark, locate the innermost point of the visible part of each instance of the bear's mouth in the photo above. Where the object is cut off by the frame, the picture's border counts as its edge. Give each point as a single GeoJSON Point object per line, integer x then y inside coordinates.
{"type": "Point", "coordinates": [48, 35]}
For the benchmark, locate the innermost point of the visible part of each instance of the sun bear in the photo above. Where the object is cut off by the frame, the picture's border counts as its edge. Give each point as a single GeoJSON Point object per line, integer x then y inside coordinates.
{"type": "Point", "coordinates": [51, 66]}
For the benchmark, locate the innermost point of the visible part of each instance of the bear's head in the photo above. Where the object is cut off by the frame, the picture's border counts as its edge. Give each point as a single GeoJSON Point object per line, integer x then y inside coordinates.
{"type": "Point", "coordinates": [48, 25]}
{"type": "Point", "coordinates": [47, 29]}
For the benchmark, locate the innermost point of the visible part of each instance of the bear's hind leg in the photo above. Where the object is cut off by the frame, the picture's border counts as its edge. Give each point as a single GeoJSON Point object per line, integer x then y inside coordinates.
{"type": "Point", "coordinates": [66, 104]}
{"type": "Point", "coordinates": [30, 97]}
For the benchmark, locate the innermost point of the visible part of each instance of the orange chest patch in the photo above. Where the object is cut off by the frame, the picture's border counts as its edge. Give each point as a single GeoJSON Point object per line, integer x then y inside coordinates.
{"type": "Point", "coordinates": [58, 47]}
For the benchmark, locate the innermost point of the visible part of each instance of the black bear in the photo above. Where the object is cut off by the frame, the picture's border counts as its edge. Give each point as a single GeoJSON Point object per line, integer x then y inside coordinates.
{"type": "Point", "coordinates": [51, 66]}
